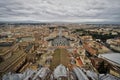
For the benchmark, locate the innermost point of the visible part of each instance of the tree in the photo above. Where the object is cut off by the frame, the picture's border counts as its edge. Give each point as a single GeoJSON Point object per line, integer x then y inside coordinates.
{"type": "Point", "coordinates": [101, 68]}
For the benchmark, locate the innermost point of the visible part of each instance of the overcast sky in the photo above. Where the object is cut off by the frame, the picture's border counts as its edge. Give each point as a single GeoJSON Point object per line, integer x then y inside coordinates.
{"type": "Point", "coordinates": [60, 10]}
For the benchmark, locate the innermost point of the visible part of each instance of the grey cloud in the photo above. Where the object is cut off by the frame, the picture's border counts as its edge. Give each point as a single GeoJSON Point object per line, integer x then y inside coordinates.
{"type": "Point", "coordinates": [77, 10]}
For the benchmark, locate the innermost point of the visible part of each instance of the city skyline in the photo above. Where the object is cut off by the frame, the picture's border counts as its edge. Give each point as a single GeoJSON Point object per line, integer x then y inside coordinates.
{"type": "Point", "coordinates": [79, 11]}
{"type": "Point", "coordinates": [59, 52]}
